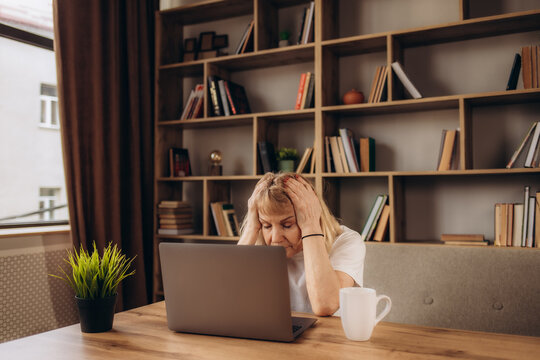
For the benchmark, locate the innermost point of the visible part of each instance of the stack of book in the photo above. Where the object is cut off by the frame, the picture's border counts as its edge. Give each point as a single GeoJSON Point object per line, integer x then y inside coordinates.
{"type": "Point", "coordinates": [464, 239]}
{"type": "Point", "coordinates": [225, 219]}
{"type": "Point", "coordinates": [227, 98]}
{"type": "Point", "coordinates": [305, 35]}
{"type": "Point", "coordinates": [345, 155]}
{"type": "Point", "coordinates": [378, 92]}
{"type": "Point", "coordinates": [449, 151]}
{"type": "Point", "coordinates": [532, 159]}
{"type": "Point", "coordinates": [246, 41]}
{"type": "Point", "coordinates": [194, 104]}
{"type": "Point", "coordinates": [530, 56]}
{"type": "Point", "coordinates": [518, 224]}
{"type": "Point", "coordinates": [175, 218]}
{"type": "Point", "coordinates": [376, 225]}
{"type": "Point", "coordinates": [305, 95]}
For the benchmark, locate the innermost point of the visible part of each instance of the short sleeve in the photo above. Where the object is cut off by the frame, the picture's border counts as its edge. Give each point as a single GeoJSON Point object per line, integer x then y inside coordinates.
{"type": "Point", "coordinates": [348, 253]}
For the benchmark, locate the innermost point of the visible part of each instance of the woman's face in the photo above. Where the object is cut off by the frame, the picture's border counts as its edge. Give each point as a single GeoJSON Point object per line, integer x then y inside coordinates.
{"type": "Point", "coordinates": [281, 230]}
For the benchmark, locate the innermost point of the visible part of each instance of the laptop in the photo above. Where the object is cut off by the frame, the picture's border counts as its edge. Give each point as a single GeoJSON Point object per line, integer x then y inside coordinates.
{"type": "Point", "coordinates": [229, 290]}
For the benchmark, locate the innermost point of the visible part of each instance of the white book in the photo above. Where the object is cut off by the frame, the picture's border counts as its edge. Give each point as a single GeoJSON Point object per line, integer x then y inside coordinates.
{"type": "Point", "coordinates": [305, 35]}
{"type": "Point", "coordinates": [530, 222]}
{"type": "Point", "coordinates": [525, 217]}
{"type": "Point", "coordinates": [224, 100]}
{"type": "Point", "coordinates": [187, 106]}
{"type": "Point", "coordinates": [398, 69]}
{"type": "Point", "coordinates": [518, 225]}
{"type": "Point", "coordinates": [532, 148]}
{"type": "Point", "coordinates": [350, 154]}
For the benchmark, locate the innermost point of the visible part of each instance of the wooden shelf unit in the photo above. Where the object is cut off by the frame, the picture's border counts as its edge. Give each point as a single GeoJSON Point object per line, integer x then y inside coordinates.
{"type": "Point", "coordinates": [324, 57]}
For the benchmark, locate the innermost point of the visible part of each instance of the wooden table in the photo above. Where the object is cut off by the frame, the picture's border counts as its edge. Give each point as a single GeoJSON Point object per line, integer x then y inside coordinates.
{"type": "Point", "coordinates": [142, 333]}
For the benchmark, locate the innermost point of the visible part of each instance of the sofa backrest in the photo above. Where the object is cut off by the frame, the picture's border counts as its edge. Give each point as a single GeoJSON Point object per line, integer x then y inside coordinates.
{"type": "Point", "coordinates": [485, 289]}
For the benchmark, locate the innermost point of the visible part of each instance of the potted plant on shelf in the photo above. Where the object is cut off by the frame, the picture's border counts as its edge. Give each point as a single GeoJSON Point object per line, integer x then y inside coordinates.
{"type": "Point", "coordinates": [286, 158]}
{"type": "Point", "coordinates": [95, 281]}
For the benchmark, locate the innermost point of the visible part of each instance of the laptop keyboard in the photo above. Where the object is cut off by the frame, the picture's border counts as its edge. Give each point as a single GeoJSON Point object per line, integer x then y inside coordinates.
{"type": "Point", "coordinates": [295, 328]}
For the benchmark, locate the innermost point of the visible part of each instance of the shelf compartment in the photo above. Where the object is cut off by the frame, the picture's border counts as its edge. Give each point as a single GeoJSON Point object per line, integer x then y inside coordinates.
{"type": "Point", "coordinates": [206, 11]}
{"type": "Point", "coordinates": [470, 29]}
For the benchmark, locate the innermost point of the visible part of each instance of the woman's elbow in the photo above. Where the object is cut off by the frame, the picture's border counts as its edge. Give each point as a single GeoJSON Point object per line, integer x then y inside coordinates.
{"type": "Point", "coordinates": [325, 309]}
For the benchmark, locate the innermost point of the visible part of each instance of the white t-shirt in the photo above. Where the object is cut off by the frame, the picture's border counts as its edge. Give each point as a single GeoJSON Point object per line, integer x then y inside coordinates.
{"type": "Point", "coordinates": [347, 255]}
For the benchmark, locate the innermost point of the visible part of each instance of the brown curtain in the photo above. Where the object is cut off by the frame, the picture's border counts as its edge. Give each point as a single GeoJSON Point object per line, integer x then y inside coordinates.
{"type": "Point", "coordinates": [105, 58]}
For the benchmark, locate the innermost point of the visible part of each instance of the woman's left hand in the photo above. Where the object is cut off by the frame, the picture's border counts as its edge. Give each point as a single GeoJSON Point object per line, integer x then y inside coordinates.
{"type": "Point", "coordinates": [306, 205]}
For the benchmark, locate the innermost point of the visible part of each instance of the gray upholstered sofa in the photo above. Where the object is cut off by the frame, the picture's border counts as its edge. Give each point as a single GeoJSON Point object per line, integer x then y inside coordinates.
{"type": "Point", "coordinates": [486, 289]}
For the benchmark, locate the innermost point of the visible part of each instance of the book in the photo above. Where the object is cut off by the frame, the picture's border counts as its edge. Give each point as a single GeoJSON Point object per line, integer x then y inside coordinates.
{"type": "Point", "coordinates": [530, 222]}
{"type": "Point", "coordinates": [441, 147]}
{"type": "Point", "coordinates": [514, 73]}
{"type": "Point", "coordinates": [313, 162]}
{"type": "Point", "coordinates": [175, 231]}
{"type": "Point", "coordinates": [179, 164]}
{"type": "Point", "coordinates": [534, 67]}
{"type": "Point", "coordinates": [305, 90]}
{"type": "Point", "coordinates": [497, 241]}
{"type": "Point", "coordinates": [367, 154]}
{"type": "Point", "coordinates": [231, 221]}
{"type": "Point", "coordinates": [470, 243]}
{"type": "Point", "coordinates": [348, 146]}
{"type": "Point", "coordinates": [304, 160]}
{"type": "Point", "coordinates": [214, 95]}
{"type": "Point", "coordinates": [267, 156]}
{"type": "Point", "coordinates": [174, 204]}
{"type": "Point", "coordinates": [521, 146]}
{"type": "Point", "coordinates": [343, 156]}
{"type": "Point", "coordinates": [336, 157]}
{"type": "Point", "coordinates": [223, 96]}
{"type": "Point", "coordinates": [196, 111]}
{"type": "Point", "coordinates": [382, 226]}
{"type": "Point", "coordinates": [374, 83]}
{"type": "Point", "coordinates": [525, 225]}
{"type": "Point", "coordinates": [307, 34]}
{"type": "Point", "coordinates": [504, 224]}
{"type": "Point", "coordinates": [300, 92]}
{"type": "Point", "coordinates": [238, 100]}
{"type": "Point", "coordinates": [533, 146]}
{"type": "Point", "coordinates": [328, 155]}
{"type": "Point", "coordinates": [398, 69]}
{"type": "Point", "coordinates": [174, 217]}
{"type": "Point", "coordinates": [381, 94]}
{"type": "Point", "coordinates": [246, 42]}
{"type": "Point", "coordinates": [448, 149]}
{"type": "Point", "coordinates": [462, 237]}
{"type": "Point", "coordinates": [310, 96]}
{"type": "Point", "coordinates": [526, 70]}
{"type": "Point", "coordinates": [302, 24]}
{"type": "Point", "coordinates": [537, 220]}
{"type": "Point", "coordinates": [518, 225]}
{"type": "Point", "coordinates": [219, 222]}
{"type": "Point", "coordinates": [188, 105]}
{"type": "Point", "coordinates": [373, 217]}
{"type": "Point", "coordinates": [509, 224]}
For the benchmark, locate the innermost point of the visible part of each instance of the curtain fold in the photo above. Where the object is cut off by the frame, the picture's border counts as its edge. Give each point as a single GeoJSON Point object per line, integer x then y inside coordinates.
{"type": "Point", "coordinates": [105, 69]}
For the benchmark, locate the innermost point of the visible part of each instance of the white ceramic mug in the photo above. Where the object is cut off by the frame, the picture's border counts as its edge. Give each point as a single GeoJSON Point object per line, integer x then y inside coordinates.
{"type": "Point", "coordinates": [358, 311]}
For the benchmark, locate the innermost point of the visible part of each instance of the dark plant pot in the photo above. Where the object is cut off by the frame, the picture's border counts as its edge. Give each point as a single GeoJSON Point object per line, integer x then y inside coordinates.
{"type": "Point", "coordinates": [96, 315]}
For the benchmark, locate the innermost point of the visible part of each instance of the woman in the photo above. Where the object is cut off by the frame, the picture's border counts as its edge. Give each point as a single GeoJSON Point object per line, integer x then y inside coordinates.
{"type": "Point", "coordinates": [323, 256]}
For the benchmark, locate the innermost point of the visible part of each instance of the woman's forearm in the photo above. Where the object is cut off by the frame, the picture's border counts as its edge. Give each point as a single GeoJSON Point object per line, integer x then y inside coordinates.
{"type": "Point", "coordinates": [249, 236]}
{"type": "Point", "coordinates": [322, 282]}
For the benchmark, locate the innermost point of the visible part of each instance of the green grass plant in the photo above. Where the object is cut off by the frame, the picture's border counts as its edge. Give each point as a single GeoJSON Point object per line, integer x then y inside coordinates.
{"type": "Point", "coordinates": [94, 277]}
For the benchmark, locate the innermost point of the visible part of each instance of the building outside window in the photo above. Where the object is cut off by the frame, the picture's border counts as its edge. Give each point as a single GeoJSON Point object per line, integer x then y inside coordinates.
{"type": "Point", "coordinates": [32, 185]}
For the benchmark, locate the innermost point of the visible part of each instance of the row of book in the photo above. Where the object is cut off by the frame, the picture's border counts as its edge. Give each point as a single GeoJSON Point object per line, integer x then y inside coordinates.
{"type": "Point", "coordinates": [305, 96]}
{"type": "Point", "coordinates": [307, 158]}
{"type": "Point", "coordinates": [225, 219]}
{"type": "Point", "coordinates": [518, 224]}
{"type": "Point", "coordinates": [246, 41]}
{"type": "Point", "coordinates": [345, 155]}
{"type": "Point", "coordinates": [532, 157]}
{"type": "Point", "coordinates": [376, 226]}
{"type": "Point", "coordinates": [305, 34]}
{"type": "Point", "coordinates": [379, 93]}
{"type": "Point", "coordinates": [194, 104]}
{"type": "Point", "coordinates": [227, 98]}
{"type": "Point", "coordinates": [175, 218]}
{"type": "Point", "coordinates": [179, 164]}
{"type": "Point", "coordinates": [449, 151]}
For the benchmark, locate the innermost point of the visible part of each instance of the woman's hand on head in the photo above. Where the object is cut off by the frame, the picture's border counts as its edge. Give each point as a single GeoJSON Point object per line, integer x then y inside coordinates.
{"type": "Point", "coordinates": [306, 205]}
{"type": "Point", "coordinates": [253, 213]}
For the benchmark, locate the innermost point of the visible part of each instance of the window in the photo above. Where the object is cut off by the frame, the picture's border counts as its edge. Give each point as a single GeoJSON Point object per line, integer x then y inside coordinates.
{"type": "Point", "coordinates": [32, 185]}
{"type": "Point", "coordinates": [49, 107]}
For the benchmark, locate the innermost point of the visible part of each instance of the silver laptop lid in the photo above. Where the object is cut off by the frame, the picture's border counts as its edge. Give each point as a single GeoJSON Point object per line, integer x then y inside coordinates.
{"type": "Point", "coordinates": [227, 290]}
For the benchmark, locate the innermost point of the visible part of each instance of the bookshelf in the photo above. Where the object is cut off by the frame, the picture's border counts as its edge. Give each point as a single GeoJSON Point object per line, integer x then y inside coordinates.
{"type": "Point", "coordinates": [444, 52]}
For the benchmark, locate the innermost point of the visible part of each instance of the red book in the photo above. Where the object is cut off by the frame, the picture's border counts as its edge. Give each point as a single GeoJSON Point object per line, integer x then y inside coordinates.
{"type": "Point", "coordinates": [300, 92]}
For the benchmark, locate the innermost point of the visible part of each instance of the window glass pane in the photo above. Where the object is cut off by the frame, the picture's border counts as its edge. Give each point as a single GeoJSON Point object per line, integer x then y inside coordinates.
{"type": "Point", "coordinates": [32, 187]}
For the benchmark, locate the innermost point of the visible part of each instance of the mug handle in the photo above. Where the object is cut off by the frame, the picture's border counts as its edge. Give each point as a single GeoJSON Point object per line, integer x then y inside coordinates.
{"type": "Point", "coordinates": [386, 309]}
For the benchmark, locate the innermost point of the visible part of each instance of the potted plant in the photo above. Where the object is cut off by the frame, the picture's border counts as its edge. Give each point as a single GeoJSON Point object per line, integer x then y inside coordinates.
{"type": "Point", "coordinates": [284, 38]}
{"type": "Point", "coordinates": [95, 281]}
{"type": "Point", "coordinates": [286, 158]}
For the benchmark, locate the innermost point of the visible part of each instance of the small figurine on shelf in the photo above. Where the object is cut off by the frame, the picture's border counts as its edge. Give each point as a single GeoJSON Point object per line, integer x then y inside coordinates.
{"type": "Point", "coordinates": [215, 168]}
{"type": "Point", "coordinates": [284, 38]}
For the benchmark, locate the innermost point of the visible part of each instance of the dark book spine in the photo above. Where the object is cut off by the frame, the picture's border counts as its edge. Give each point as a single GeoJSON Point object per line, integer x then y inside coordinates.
{"type": "Point", "coordinates": [265, 154]}
{"type": "Point", "coordinates": [229, 97]}
{"type": "Point", "coordinates": [514, 73]}
{"type": "Point", "coordinates": [310, 93]}
{"type": "Point", "coordinates": [214, 96]}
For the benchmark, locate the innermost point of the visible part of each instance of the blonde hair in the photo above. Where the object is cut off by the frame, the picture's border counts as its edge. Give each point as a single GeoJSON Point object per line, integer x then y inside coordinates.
{"type": "Point", "coordinates": [274, 195]}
